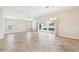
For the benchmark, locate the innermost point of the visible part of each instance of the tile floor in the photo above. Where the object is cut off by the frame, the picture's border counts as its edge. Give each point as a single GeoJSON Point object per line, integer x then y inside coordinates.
{"type": "Point", "coordinates": [37, 42]}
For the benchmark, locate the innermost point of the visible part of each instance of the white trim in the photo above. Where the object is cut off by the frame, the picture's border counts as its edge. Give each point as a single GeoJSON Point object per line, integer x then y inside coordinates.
{"type": "Point", "coordinates": [73, 37]}
{"type": "Point", "coordinates": [10, 19]}
{"type": "Point", "coordinates": [14, 31]}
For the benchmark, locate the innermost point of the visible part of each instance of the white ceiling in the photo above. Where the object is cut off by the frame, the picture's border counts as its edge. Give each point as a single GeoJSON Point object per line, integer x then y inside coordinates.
{"type": "Point", "coordinates": [36, 11]}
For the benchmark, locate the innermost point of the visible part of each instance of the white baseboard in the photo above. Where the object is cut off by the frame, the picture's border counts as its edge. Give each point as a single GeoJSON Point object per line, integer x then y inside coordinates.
{"type": "Point", "coordinates": [73, 37]}
{"type": "Point", "coordinates": [14, 31]}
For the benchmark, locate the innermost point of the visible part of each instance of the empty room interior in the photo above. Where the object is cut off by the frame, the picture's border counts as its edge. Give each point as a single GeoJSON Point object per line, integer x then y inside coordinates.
{"type": "Point", "coordinates": [39, 28]}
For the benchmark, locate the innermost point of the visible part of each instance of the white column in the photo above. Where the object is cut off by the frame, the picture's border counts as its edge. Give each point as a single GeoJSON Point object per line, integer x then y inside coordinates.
{"type": "Point", "coordinates": [38, 27]}
{"type": "Point", "coordinates": [47, 25]}
{"type": "Point", "coordinates": [1, 24]}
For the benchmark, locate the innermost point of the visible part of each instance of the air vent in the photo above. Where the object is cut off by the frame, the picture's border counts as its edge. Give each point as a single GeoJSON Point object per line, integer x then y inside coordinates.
{"type": "Point", "coordinates": [47, 6]}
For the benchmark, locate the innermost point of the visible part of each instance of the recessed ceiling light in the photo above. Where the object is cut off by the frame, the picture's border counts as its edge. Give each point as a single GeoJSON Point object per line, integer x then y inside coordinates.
{"type": "Point", "coordinates": [51, 18]}
{"type": "Point", "coordinates": [54, 18]}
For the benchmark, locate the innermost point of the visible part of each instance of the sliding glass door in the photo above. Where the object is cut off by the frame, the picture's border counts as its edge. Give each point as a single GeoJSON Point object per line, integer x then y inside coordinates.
{"type": "Point", "coordinates": [48, 26]}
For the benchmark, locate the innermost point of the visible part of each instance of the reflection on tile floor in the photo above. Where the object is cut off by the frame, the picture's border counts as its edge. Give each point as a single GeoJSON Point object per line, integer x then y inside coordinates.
{"type": "Point", "coordinates": [37, 42]}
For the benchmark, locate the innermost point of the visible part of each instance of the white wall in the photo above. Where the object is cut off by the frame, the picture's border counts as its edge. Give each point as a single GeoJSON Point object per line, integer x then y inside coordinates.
{"type": "Point", "coordinates": [18, 25]}
{"type": "Point", "coordinates": [34, 26]}
{"type": "Point", "coordinates": [12, 14]}
{"type": "Point", "coordinates": [19, 21]}
{"type": "Point", "coordinates": [1, 24]}
{"type": "Point", "coordinates": [69, 23]}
